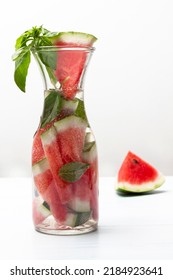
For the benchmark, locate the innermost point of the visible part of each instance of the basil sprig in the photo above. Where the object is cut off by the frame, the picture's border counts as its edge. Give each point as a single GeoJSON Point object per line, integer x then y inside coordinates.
{"type": "Point", "coordinates": [26, 44]}
{"type": "Point", "coordinates": [73, 171]}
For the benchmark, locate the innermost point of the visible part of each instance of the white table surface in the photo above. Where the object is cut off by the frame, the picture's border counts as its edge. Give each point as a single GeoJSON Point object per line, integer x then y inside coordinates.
{"type": "Point", "coordinates": [130, 227]}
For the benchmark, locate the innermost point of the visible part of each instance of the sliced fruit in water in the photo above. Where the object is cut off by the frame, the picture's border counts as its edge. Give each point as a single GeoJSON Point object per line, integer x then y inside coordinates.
{"type": "Point", "coordinates": [69, 106]}
{"type": "Point", "coordinates": [53, 155]}
{"type": "Point", "coordinates": [40, 211]}
{"type": "Point", "coordinates": [37, 148]}
{"type": "Point", "coordinates": [90, 156]}
{"type": "Point", "coordinates": [70, 63]}
{"type": "Point", "coordinates": [70, 138]}
{"type": "Point", "coordinates": [136, 175]}
{"type": "Point", "coordinates": [42, 178]}
{"type": "Point", "coordinates": [47, 188]}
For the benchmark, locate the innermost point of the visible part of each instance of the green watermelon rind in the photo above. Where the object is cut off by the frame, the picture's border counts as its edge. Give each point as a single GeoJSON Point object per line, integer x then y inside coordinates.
{"type": "Point", "coordinates": [80, 206]}
{"type": "Point", "coordinates": [48, 136]}
{"type": "Point", "coordinates": [70, 122]}
{"type": "Point", "coordinates": [140, 188]}
{"type": "Point", "coordinates": [90, 155]}
{"type": "Point", "coordinates": [70, 104]}
{"type": "Point", "coordinates": [72, 37]}
{"type": "Point", "coordinates": [40, 166]}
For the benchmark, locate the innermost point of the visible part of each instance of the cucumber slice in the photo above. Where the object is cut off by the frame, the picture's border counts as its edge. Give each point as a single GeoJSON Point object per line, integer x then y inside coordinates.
{"type": "Point", "coordinates": [40, 167]}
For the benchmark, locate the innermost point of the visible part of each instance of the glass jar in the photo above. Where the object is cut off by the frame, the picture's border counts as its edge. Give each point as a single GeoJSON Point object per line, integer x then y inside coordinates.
{"type": "Point", "coordinates": [64, 152]}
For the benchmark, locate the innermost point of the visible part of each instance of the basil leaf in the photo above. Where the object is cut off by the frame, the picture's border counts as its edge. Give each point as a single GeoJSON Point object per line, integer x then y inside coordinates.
{"type": "Point", "coordinates": [21, 68]}
{"type": "Point", "coordinates": [80, 111]}
{"type": "Point", "coordinates": [52, 76]}
{"type": "Point", "coordinates": [52, 107]}
{"type": "Point", "coordinates": [73, 171]}
{"type": "Point", "coordinates": [48, 58]}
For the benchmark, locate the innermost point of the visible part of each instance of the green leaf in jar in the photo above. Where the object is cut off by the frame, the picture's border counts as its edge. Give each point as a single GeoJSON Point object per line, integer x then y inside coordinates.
{"type": "Point", "coordinates": [52, 107]}
{"type": "Point", "coordinates": [73, 171]}
{"type": "Point", "coordinates": [48, 58]}
{"type": "Point", "coordinates": [80, 111]}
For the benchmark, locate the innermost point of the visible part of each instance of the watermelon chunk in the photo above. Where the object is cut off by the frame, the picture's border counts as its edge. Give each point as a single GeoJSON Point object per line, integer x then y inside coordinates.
{"type": "Point", "coordinates": [40, 212]}
{"type": "Point", "coordinates": [54, 157]}
{"type": "Point", "coordinates": [70, 63]}
{"type": "Point", "coordinates": [37, 148]}
{"type": "Point", "coordinates": [46, 186]}
{"type": "Point", "coordinates": [70, 138]}
{"type": "Point", "coordinates": [81, 195]}
{"type": "Point", "coordinates": [136, 175]}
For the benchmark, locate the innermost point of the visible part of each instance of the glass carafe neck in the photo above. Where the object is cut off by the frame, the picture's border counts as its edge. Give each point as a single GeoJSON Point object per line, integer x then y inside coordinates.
{"type": "Point", "coordinates": [63, 69]}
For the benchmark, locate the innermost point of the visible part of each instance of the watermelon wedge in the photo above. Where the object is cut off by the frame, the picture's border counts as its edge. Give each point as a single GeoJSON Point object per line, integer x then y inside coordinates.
{"type": "Point", "coordinates": [39, 210]}
{"type": "Point", "coordinates": [37, 148]}
{"type": "Point", "coordinates": [46, 186]}
{"type": "Point", "coordinates": [70, 138]}
{"type": "Point", "coordinates": [136, 175]}
{"type": "Point", "coordinates": [70, 63]}
{"type": "Point", "coordinates": [54, 158]}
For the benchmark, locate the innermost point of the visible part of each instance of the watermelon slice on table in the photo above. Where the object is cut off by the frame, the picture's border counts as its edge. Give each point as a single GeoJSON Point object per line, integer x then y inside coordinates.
{"type": "Point", "coordinates": [70, 63]}
{"type": "Point", "coordinates": [46, 186]}
{"type": "Point", "coordinates": [136, 175]}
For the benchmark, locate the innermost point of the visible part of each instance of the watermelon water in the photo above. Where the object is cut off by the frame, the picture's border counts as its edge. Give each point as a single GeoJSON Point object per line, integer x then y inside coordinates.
{"type": "Point", "coordinates": [136, 175]}
{"type": "Point", "coordinates": [71, 63]}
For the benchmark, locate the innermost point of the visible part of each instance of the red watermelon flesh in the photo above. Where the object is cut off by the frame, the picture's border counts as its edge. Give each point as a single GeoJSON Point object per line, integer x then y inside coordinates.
{"type": "Point", "coordinates": [37, 148]}
{"type": "Point", "coordinates": [68, 108]}
{"type": "Point", "coordinates": [52, 152]}
{"type": "Point", "coordinates": [137, 175]}
{"type": "Point", "coordinates": [136, 171]}
{"type": "Point", "coordinates": [70, 63]}
{"type": "Point", "coordinates": [40, 213]}
{"type": "Point", "coordinates": [70, 138]}
{"type": "Point", "coordinates": [46, 186]}
{"type": "Point", "coordinates": [81, 195]}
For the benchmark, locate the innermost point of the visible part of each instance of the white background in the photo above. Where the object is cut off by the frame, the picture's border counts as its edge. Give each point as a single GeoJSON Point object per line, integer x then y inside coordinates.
{"type": "Point", "coordinates": [128, 88]}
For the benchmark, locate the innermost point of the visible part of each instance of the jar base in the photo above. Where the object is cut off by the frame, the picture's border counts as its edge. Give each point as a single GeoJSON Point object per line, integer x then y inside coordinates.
{"type": "Point", "coordinates": [66, 230]}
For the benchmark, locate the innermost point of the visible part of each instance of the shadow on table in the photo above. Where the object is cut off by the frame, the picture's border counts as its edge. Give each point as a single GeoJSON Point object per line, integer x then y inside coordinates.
{"type": "Point", "coordinates": [131, 194]}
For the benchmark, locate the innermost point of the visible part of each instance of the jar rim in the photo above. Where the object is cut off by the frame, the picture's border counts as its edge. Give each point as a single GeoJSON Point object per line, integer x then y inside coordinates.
{"type": "Point", "coordinates": [63, 48]}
